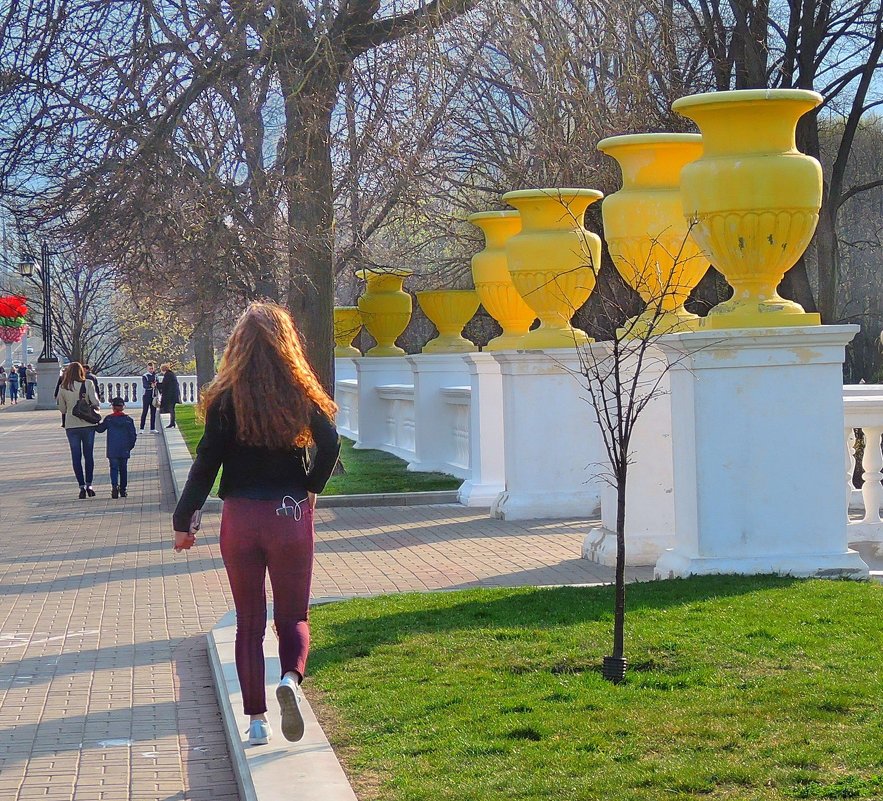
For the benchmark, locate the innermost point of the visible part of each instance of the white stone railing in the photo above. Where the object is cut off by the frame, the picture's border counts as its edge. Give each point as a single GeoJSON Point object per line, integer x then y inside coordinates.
{"type": "Point", "coordinates": [346, 396]}
{"type": "Point", "coordinates": [397, 402]}
{"type": "Point", "coordinates": [863, 410]}
{"type": "Point", "coordinates": [457, 401]}
{"type": "Point", "coordinates": [129, 388]}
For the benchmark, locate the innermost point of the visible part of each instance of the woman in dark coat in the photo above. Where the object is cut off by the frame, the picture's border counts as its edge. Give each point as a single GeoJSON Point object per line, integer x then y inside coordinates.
{"type": "Point", "coordinates": [170, 392]}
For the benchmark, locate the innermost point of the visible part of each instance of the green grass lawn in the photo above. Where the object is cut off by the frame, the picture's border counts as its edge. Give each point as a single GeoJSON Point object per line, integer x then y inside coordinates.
{"type": "Point", "coordinates": [738, 688]}
{"type": "Point", "coordinates": [366, 471]}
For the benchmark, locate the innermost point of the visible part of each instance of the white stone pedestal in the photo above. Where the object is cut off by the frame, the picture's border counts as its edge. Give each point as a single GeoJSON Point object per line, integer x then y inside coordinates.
{"type": "Point", "coordinates": [650, 513]}
{"type": "Point", "coordinates": [344, 368]}
{"type": "Point", "coordinates": [373, 372]}
{"type": "Point", "coordinates": [47, 378]}
{"type": "Point", "coordinates": [487, 467]}
{"type": "Point", "coordinates": [554, 455]}
{"type": "Point", "coordinates": [435, 423]}
{"type": "Point", "coordinates": [757, 445]}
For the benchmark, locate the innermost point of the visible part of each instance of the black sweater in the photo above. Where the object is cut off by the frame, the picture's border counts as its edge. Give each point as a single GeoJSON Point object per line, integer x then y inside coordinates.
{"type": "Point", "coordinates": [252, 472]}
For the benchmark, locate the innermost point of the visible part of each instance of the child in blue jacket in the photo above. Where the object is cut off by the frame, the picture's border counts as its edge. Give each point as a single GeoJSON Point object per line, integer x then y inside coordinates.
{"type": "Point", "coordinates": [121, 438]}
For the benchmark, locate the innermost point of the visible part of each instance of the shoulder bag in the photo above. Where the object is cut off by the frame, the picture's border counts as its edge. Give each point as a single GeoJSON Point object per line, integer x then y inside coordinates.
{"type": "Point", "coordinates": [83, 408]}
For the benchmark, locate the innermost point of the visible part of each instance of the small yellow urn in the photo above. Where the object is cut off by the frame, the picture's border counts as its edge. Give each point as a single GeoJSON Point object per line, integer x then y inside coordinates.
{"type": "Point", "coordinates": [553, 261]}
{"type": "Point", "coordinates": [645, 229]}
{"type": "Point", "coordinates": [493, 282]}
{"type": "Point", "coordinates": [449, 310]}
{"type": "Point", "coordinates": [347, 322]}
{"type": "Point", "coordinates": [754, 198]}
{"type": "Point", "coordinates": [385, 308]}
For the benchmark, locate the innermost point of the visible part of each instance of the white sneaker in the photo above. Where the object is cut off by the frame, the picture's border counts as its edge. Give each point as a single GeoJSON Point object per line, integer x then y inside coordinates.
{"type": "Point", "coordinates": [259, 732]}
{"type": "Point", "coordinates": [289, 697]}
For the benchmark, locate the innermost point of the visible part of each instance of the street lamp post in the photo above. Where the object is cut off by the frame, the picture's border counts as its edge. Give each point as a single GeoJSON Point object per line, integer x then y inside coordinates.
{"type": "Point", "coordinates": [47, 364]}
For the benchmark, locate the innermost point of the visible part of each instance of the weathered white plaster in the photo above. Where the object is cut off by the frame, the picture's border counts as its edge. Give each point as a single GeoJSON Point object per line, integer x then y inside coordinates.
{"type": "Point", "coordinates": [487, 467]}
{"type": "Point", "coordinates": [344, 368]}
{"type": "Point", "coordinates": [758, 457]}
{"type": "Point", "coordinates": [373, 409]}
{"type": "Point", "coordinates": [650, 514]}
{"type": "Point", "coordinates": [553, 450]}
{"type": "Point", "coordinates": [439, 422]}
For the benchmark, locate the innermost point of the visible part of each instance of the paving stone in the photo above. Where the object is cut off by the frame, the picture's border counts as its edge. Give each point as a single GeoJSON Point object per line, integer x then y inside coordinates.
{"type": "Point", "coordinates": [102, 626]}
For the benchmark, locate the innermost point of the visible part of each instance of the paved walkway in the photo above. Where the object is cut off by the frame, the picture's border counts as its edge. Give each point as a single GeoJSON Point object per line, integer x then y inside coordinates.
{"type": "Point", "coordinates": [105, 691]}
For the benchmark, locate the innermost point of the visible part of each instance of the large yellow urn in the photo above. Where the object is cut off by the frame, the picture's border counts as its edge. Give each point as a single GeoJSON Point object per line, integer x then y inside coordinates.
{"type": "Point", "coordinates": [493, 282]}
{"type": "Point", "coordinates": [449, 310]}
{"type": "Point", "coordinates": [385, 308]}
{"type": "Point", "coordinates": [347, 322]}
{"type": "Point", "coordinates": [645, 229]}
{"type": "Point", "coordinates": [553, 261]}
{"type": "Point", "coordinates": [754, 198]}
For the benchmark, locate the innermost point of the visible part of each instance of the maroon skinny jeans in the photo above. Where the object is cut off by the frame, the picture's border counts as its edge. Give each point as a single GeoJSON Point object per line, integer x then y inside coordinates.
{"type": "Point", "coordinates": [256, 541]}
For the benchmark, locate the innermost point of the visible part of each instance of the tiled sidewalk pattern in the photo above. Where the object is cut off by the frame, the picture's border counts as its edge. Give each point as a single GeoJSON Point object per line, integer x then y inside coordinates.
{"type": "Point", "coordinates": [105, 692]}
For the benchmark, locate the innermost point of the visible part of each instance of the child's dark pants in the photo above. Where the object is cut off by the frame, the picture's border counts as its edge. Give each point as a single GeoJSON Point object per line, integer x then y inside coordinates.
{"type": "Point", "coordinates": [254, 542]}
{"type": "Point", "coordinates": [119, 472]}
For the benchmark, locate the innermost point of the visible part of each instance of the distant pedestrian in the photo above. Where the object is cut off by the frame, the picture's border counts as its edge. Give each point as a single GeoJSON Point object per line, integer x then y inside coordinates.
{"type": "Point", "coordinates": [13, 386]}
{"type": "Point", "coordinates": [22, 378]}
{"type": "Point", "coordinates": [80, 433]}
{"type": "Point", "coordinates": [31, 378]}
{"type": "Point", "coordinates": [170, 391]}
{"type": "Point", "coordinates": [90, 376]}
{"type": "Point", "coordinates": [262, 411]}
{"type": "Point", "coordinates": [148, 390]}
{"type": "Point", "coordinates": [121, 439]}
{"type": "Point", "coordinates": [4, 379]}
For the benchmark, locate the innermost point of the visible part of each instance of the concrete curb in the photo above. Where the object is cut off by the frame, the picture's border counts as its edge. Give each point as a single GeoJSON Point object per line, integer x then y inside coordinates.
{"type": "Point", "coordinates": [180, 462]}
{"type": "Point", "coordinates": [270, 772]}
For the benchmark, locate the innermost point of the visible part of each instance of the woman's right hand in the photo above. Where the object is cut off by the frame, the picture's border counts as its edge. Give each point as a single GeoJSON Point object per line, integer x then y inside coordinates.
{"type": "Point", "coordinates": [311, 499]}
{"type": "Point", "coordinates": [184, 541]}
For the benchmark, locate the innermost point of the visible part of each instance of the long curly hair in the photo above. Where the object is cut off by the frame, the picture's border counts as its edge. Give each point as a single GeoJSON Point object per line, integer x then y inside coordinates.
{"type": "Point", "coordinates": [267, 379]}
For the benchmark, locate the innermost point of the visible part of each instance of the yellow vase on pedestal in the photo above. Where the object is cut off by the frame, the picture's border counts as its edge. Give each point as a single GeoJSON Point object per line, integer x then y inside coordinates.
{"type": "Point", "coordinates": [645, 229]}
{"type": "Point", "coordinates": [754, 198]}
{"type": "Point", "coordinates": [385, 308]}
{"type": "Point", "coordinates": [449, 310]}
{"type": "Point", "coordinates": [553, 261]}
{"type": "Point", "coordinates": [493, 282]}
{"type": "Point", "coordinates": [347, 322]}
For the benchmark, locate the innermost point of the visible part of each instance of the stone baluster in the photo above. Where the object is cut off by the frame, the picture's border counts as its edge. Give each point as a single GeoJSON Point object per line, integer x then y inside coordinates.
{"type": "Point", "coordinates": [872, 465]}
{"type": "Point", "coordinates": [850, 465]}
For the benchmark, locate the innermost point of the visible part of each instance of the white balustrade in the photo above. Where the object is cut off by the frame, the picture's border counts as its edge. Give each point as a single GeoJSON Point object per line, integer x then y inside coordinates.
{"type": "Point", "coordinates": [346, 395]}
{"type": "Point", "coordinates": [863, 410]}
{"type": "Point", "coordinates": [458, 401]}
{"type": "Point", "coordinates": [129, 388]}
{"type": "Point", "coordinates": [397, 403]}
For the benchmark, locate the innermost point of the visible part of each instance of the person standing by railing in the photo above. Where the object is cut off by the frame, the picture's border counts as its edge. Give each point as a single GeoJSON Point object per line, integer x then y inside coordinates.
{"type": "Point", "coordinates": [170, 391]}
{"type": "Point", "coordinates": [148, 388]}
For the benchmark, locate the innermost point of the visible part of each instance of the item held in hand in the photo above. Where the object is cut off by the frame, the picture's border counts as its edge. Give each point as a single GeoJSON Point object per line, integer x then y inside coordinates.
{"type": "Point", "coordinates": [195, 521]}
{"type": "Point", "coordinates": [294, 511]}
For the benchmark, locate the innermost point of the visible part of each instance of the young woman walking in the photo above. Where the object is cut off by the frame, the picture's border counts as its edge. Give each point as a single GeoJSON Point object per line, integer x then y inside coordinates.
{"type": "Point", "coordinates": [80, 434]}
{"type": "Point", "coordinates": [262, 411]}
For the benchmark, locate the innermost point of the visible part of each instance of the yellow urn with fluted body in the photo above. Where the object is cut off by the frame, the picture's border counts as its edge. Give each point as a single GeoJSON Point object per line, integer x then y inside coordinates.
{"type": "Point", "coordinates": [753, 198]}
{"type": "Point", "coordinates": [449, 310]}
{"type": "Point", "coordinates": [553, 261]}
{"type": "Point", "coordinates": [646, 232]}
{"type": "Point", "coordinates": [347, 322]}
{"type": "Point", "coordinates": [493, 281]}
{"type": "Point", "coordinates": [385, 308]}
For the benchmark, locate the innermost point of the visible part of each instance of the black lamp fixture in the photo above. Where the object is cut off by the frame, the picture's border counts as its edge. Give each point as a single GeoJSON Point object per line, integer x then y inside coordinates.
{"type": "Point", "coordinates": [26, 265]}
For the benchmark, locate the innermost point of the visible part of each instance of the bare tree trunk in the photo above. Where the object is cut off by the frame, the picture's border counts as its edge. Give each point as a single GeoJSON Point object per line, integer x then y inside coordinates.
{"type": "Point", "coordinates": [307, 170]}
{"type": "Point", "coordinates": [204, 350]}
{"type": "Point", "coordinates": [829, 258]}
{"type": "Point", "coordinates": [619, 605]}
